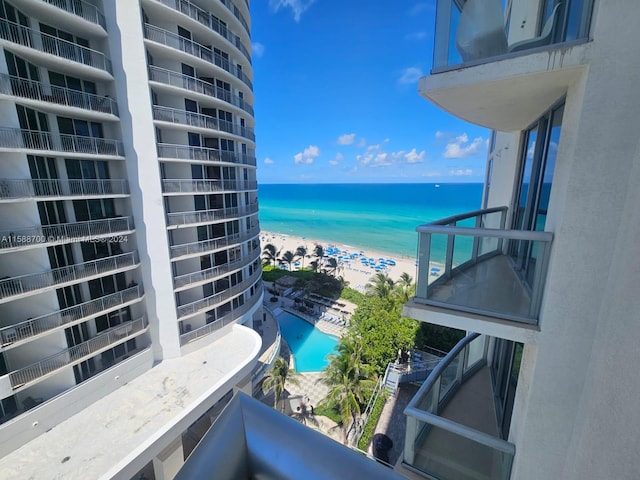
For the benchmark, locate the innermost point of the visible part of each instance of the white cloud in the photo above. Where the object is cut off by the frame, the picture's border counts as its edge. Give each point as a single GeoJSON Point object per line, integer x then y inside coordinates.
{"type": "Point", "coordinates": [336, 160]}
{"type": "Point", "coordinates": [257, 49]}
{"type": "Point", "coordinates": [414, 157]}
{"type": "Point", "coordinates": [461, 172]}
{"type": "Point", "coordinates": [346, 139]}
{"type": "Point", "coordinates": [375, 156]}
{"type": "Point", "coordinates": [297, 6]}
{"type": "Point", "coordinates": [362, 143]}
{"type": "Point", "coordinates": [461, 148]}
{"type": "Point", "coordinates": [307, 155]}
{"type": "Point", "coordinates": [410, 75]}
{"type": "Point", "coordinates": [440, 134]}
{"type": "Point", "coordinates": [268, 161]}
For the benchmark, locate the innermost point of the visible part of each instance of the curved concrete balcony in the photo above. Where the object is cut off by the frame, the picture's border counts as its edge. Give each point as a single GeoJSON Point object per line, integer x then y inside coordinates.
{"type": "Point", "coordinates": [202, 154]}
{"type": "Point", "coordinates": [21, 286]}
{"type": "Point", "coordinates": [191, 48]}
{"type": "Point", "coordinates": [237, 14]}
{"type": "Point", "coordinates": [195, 85]}
{"type": "Point", "coordinates": [35, 327]}
{"type": "Point", "coordinates": [222, 321]}
{"type": "Point", "coordinates": [188, 186]}
{"type": "Point", "coordinates": [53, 52]}
{"type": "Point", "coordinates": [211, 22]}
{"type": "Point", "coordinates": [185, 250]}
{"type": "Point", "coordinates": [198, 217]}
{"type": "Point", "coordinates": [72, 14]}
{"type": "Point", "coordinates": [195, 120]}
{"type": "Point", "coordinates": [191, 309]}
{"type": "Point", "coordinates": [114, 229]}
{"type": "Point", "coordinates": [78, 353]}
{"type": "Point", "coordinates": [17, 190]}
{"type": "Point", "coordinates": [58, 99]}
{"type": "Point", "coordinates": [49, 144]}
{"type": "Point", "coordinates": [189, 280]}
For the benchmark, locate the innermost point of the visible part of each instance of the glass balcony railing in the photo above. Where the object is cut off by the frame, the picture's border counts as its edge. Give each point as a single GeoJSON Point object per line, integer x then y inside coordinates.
{"type": "Point", "coordinates": [437, 442]}
{"type": "Point", "coordinates": [180, 250]}
{"type": "Point", "coordinates": [82, 9]}
{"type": "Point", "coordinates": [471, 263]}
{"type": "Point", "coordinates": [474, 31]}
{"type": "Point", "coordinates": [205, 216]}
{"type": "Point", "coordinates": [179, 185]}
{"type": "Point", "coordinates": [21, 139]}
{"type": "Point", "coordinates": [11, 188]}
{"type": "Point", "coordinates": [186, 152]}
{"type": "Point", "coordinates": [194, 119]}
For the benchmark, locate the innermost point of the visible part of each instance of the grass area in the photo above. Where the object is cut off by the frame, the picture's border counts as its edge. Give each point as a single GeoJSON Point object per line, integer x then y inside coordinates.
{"type": "Point", "coordinates": [372, 422]}
{"type": "Point", "coordinates": [320, 283]}
{"type": "Point", "coordinates": [352, 295]}
{"type": "Point", "coordinates": [329, 412]}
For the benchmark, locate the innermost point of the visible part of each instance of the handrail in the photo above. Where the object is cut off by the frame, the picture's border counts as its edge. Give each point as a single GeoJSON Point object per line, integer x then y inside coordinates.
{"type": "Point", "coordinates": [194, 119]}
{"type": "Point", "coordinates": [238, 14]}
{"type": "Point", "coordinates": [82, 9]}
{"type": "Point", "coordinates": [187, 152]}
{"type": "Point", "coordinates": [46, 92]}
{"type": "Point", "coordinates": [44, 323]}
{"type": "Point", "coordinates": [184, 185]}
{"type": "Point", "coordinates": [531, 235]}
{"type": "Point", "coordinates": [175, 79]}
{"type": "Point", "coordinates": [20, 138]}
{"type": "Point", "coordinates": [29, 37]}
{"type": "Point", "coordinates": [201, 216]}
{"type": "Point", "coordinates": [213, 272]}
{"type": "Point", "coordinates": [465, 216]}
{"type": "Point", "coordinates": [179, 250]}
{"type": "Point", "coordinates": [173, 40]}
{"type": "Point", "coordinates": [57, 187]}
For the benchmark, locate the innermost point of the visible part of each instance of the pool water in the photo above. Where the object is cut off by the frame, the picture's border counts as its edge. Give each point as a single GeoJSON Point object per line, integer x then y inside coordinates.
{"type": "Point", "coordinates": [308, 345]}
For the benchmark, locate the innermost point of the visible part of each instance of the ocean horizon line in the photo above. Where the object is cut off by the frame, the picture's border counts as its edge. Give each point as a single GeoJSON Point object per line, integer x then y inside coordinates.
{"type": "Point", "coordinates": [371, 183]}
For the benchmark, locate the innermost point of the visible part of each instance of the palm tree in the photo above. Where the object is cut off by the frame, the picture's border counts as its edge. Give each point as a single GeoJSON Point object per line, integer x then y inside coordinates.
{"type": "Point", "coordinates": [314, 265]}
{"type": "Point", "coordinates": [304, 415]}
{"type": "Point", "coordinates": [270, 253]}
{"type": "Point", "coordinates": [331, 265]}
{"type": "Point", "coordinates": [288, 257]}
{"type": "Point", "coordinates": [318, 252]}
{"type": "Point", "coordinates": [381, 285]}
{"type": "Point", "coordinates": [276, 379]}
{"type": "Point", "coordinates": [301, 252]}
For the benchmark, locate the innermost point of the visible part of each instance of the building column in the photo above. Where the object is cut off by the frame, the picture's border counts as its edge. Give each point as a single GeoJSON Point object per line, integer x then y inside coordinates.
{"type": "Point", "coordinates": [169, 461]}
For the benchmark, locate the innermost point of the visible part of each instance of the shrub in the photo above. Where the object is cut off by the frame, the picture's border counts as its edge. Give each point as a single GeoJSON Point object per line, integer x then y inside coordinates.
{"type": "Point", "coordinates": [372, 421]}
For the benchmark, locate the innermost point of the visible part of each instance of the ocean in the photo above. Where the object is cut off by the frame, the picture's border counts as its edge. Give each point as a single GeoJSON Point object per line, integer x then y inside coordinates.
{"type": "Point", "coordinates": [381, 217]}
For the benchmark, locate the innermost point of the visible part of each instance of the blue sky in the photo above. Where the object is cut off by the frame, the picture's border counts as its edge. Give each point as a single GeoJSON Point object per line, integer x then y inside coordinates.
{"type": "Point", "coordinates": [336, 84]}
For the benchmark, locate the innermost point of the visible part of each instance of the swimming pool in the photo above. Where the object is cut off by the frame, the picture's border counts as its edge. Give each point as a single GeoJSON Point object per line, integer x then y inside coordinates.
{"type": "Point", "coordinates": [308, 345]}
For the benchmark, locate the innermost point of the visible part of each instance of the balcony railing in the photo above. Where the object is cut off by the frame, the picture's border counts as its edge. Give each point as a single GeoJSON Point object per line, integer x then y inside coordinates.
{"type": "Point", "coordinates": [88, 231]}
{"type": "Point", "coordinates": [236, 13]}
{"type": "Point", "coordinates": [471, 263]}
{"type": "Point", "coordinates": [185, 152]}
{"type": "Point", "coordinates": [179, 185]}
{"type": "Point", "coordinates": [208, 20]}
{"type": "Point", "coordinates": [174, 40]}
{"type": "Point", "coordinates": [78, 353]}
{"type": "Point", "coordinates": [168, 77]}
{"type": "Point", "coordinates": [478, 30]}
{"type": "Point", "coordinates": [37, 188]}
{"type": "Point", "coordinates": [213, 272]}
{"type": "Point", "coordinates": [193, 119]}
{"type": "Point", "coordinates": [44, 323]}
{"type": "Point", "coordinates": [82, 9]}
{"type": "Point", "coordinates": [59, 277]}
{"type": "Point", "coordinates": [44, 92]}
{"type": "Point", "coordinates": [213, 244]}
{"type": "Point", "coordinates": [224, 320]}
{"type": "Point", "coordinates": [17, 138]}
{"type": "Point", "coordinates": [205, 216]}
{"type": "Point", "coordinates": [28, 37]}
{"type": "Point", "coordinates": [441, 447]}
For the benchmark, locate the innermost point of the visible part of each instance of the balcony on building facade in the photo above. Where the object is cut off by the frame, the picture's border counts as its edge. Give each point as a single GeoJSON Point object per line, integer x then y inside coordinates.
{"type": "Point", "coordinates": [30, 284]}
{"type": "Point", "coordinates": [189, 280]}
{"type": "Point", "coordinates": [199, 120]}
{"type": "Point", "coordinates": [189, 186]}
{"type": "Point", "coordinates": [237, 14]}
{"type": "Point", "coordinates": [514, 63]}
{"type": "Point", "coordinates": [78, 353]}
{"type": "Point", "coordinates": [199, 217]}
{"type": "Point", "coordinates": [452, 430]}
{"type": "Point", "coordinates": [34, 327]}
{"type": "Point", "coordinates": [210, 21]}
{"type": "Point", "coordinates": [46, 143]}
{"type": "Point", "coordinates": [32, 42]}
{"type": "Point", "coordinates": [61, 233]}
{"type": "Point", "coordinates": [175, 41]}
{"type": "Point", "coordinates": [20, 189]}
{"type": "Point", "coordinates": [203, 154]}
{"type": "Point", "coordinates": [233, 315]}
{"type": "Point", "coordinates": [55, 97]}
{"type": "Point", "coordinates": [470, 263]}
{"type": "Point", "coordinates": [80, 9]}
{"type": "Point", "coordinates": [185, 250]}
{"type": "Point", "coordinates": [179, 80]}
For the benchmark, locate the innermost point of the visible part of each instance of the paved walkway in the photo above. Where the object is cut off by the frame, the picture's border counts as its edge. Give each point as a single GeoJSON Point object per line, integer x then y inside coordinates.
{"type": "Point", "coordinates": [392, 420]}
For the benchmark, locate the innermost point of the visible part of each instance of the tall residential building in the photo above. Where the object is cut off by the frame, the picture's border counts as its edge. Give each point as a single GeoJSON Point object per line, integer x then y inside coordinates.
{"type": "Point", "coordinates": [129, 254]}
{"type": "Point", "coordinates": [547, 274]}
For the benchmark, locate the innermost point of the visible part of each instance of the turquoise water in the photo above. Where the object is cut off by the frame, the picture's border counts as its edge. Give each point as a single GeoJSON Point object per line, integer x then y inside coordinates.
{"type": "Point", "coordinates": [381, 217]}
{"type": "Point", "coordinates": [308, 345]}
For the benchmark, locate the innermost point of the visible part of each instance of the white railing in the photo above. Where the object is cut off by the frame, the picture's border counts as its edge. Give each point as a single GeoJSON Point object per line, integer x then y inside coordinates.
{"type": "Point", "coordinates": [181, 185]}
{"type": "Point", "coordinates": [213, 272]}
{"type": "Point", "coordinates": [17, 138]}
{"type": "Point", "coordinates": [59, 277]}
{"type": "Point", "coordinates": [190, 47]}
{"type": "Point", "coordinates": [194, 119]}
{"type": "Point", "coordinates": [236, 13]}
{"type": "Point", "coordinates": [82, 9]}
{"type": "Point", "coordinates": [186, 152]}
{"type": "Point", "coordinates": [78, 353]}
{"type": "Point", "coordinates": [43, 42]}
{"type": "Point", "coordinates": [44, 323]}
{"type": "Point", "coordinates": [35, 188]}
{"type": "Point", "coordinates": [175, 79]}
{"type": "Point", "coordinates": [88, 231]}
{"type": "Point", "coordinates": [44, 92]}
{"type": "Point", "coordinates": [213, 244]}
{"type": "Point", "coordinates": [204, 216]}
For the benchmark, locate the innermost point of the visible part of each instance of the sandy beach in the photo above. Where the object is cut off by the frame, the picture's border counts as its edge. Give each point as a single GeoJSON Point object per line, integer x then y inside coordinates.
{"type": "Point", "coordinates": [353, 271]}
